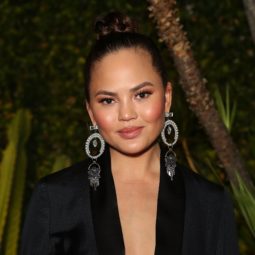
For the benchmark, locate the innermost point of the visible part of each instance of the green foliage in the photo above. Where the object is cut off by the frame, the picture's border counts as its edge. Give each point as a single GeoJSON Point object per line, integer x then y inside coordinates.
{"type": "Point", "coordinates": [12, 180]}
{"type": "Point", "coordinates": [246, 201]}
{"type": "Point", "coordinates": [12, 230]}
{"type": "Point", "coordinates": [226, 112]}
{"type": "Point", "coordinates": [222, 45]}
{"type": "Point", "coordinates": [43, 47]}
{"type": "Point", "coordinates": [61, 162]}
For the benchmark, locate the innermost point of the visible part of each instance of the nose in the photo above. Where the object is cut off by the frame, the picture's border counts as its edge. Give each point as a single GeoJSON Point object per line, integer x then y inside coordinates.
{"type": "Point", "coordinates": [127, 111]}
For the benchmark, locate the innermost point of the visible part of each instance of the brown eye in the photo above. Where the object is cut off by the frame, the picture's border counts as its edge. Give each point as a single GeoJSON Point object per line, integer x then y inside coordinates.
{"type": "Point", "coordinates": [143, 94]}
{"type": "Point", "coordinates": [106, 101]}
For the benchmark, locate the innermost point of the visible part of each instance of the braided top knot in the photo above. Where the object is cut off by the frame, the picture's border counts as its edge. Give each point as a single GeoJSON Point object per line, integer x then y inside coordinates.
{"type": "Point", "coordinates": [114, 22]}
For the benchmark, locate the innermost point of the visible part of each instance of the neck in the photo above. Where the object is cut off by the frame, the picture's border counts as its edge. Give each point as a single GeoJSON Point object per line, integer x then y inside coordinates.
{"type": "Point", "coordinates": [129, 168]}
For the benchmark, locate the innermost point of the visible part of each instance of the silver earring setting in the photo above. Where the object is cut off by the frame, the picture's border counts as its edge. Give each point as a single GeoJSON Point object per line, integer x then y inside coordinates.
{"type": "Point", "coordinates": [170, 156]}
{"type": "Point", "coordinates": [94, 141]}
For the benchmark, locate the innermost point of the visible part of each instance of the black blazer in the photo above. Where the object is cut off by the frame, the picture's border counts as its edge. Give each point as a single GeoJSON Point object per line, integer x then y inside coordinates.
{"type": "Point", "coordinates": [65, 216]}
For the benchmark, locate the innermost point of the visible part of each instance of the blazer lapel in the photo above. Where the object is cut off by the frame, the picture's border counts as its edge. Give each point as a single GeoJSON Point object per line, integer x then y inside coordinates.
{"type": "Point", "coordinates": [198, 219]}
{"type": "Point", "coordinates": [204, 207]}
{"type": "Point", "coordinates": [170, 212]}
{"type": "Point", "coordinates": [106, 221]}
{"type": "Point", "coordinates": [195, 230]}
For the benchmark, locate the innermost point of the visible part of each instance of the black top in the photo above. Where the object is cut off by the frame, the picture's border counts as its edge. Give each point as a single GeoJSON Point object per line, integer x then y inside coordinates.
{"type": "Point", "coordinates": [59, 218]}
{"type": "Point", "coordinates": [169, 219]}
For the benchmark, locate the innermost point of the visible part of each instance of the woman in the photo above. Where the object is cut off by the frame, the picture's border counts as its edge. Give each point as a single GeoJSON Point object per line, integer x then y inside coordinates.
{"type": "Point", "coordinates": [129, 197]}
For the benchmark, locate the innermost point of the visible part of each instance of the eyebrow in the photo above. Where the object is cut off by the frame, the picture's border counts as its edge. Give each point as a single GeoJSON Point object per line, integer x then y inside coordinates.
{"type": "Point", "coordinates": [137, 87]}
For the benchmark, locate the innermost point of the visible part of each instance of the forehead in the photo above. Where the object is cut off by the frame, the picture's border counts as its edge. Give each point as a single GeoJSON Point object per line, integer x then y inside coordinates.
{"type": "Point", "coordinates": [124, 56]}
{"type": "Point", "coordinates": [127, 67]}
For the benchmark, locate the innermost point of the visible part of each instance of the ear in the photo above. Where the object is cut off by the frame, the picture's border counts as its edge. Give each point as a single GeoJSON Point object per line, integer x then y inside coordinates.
{"type": "Point", "coordinates": [168, 96]}
{"type": "Point", "coordinates": [89, 110]}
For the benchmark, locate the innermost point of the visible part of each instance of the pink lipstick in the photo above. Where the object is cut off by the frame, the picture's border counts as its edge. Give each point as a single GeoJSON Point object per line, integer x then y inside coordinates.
{"type": "Point", "coordinates": [130, 132]}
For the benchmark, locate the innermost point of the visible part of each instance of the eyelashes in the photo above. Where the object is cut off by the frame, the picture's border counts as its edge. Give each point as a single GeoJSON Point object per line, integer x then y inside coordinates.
{"type": "Point", "coordinates": [141, 95]}
{"type": "Point", "coordinates": [105, 101]}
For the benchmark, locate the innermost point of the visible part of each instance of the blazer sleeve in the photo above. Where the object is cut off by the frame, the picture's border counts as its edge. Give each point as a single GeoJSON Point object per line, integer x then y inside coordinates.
{"type": "Point", "coordinates": [35, 233]}
{"type": "Point", "coordinates": [227, 242]}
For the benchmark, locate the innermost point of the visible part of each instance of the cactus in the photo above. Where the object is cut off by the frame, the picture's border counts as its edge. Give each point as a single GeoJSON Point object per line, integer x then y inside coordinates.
{"type": "Point", "coordinates": [12, 180]}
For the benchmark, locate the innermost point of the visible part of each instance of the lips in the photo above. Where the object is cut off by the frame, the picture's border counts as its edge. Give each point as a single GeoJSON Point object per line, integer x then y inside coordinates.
{"type": "Point", "coordinates": [130, 132]}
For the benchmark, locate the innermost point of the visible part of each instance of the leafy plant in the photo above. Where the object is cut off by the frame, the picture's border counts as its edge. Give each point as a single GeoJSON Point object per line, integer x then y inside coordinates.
{"type": "Point", "coordinates": [12, 180]}
{"type": "Point", "coordinates": [227, 112]}
{"type": "Point", "coordinates": [244, 197]}
{"type": "Point", "coordinates": [246, 201]}
{"type": "Point", "coordinates": [61, 162]}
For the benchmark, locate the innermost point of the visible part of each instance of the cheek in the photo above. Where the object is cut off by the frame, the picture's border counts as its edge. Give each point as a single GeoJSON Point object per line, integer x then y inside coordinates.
{"type": "Point", "coordinates": [105, 121]}
{"type": "Point", "coordinates": [154, 112]}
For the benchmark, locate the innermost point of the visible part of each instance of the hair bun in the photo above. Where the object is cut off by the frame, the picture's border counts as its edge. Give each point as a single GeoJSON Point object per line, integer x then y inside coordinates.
{"type": "Point", "coordinates": [114, 22]}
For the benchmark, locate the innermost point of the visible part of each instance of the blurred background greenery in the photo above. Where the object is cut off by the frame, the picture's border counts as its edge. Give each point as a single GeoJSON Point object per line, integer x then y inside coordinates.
{"type": "Point", "coordinates": [43, 47]}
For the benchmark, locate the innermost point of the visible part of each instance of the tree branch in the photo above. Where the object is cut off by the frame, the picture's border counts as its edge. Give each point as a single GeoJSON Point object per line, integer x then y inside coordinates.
{"type": "Point", "coordinates": [165, 14]}
{"type": "Point", "coordinates": [249, 6]}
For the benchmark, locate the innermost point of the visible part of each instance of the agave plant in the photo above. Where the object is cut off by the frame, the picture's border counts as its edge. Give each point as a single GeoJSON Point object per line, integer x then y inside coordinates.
{"type": "Point", "coordinates": [226, 111]}
{"type": "Point", "coordinates": [246, 201]}
{"type": "Point", "coordinates": [243, 195]}
{"type": "Point", "coordinates": [12, 180]}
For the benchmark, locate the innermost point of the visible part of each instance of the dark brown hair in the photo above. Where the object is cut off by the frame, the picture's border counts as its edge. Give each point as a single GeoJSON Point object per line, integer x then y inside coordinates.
{"type": "Point", "coordinates": [116, 31]}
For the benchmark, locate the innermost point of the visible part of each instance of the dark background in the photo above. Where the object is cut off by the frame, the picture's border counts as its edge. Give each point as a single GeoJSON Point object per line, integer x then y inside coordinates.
{"type": "Point", "coordinates": [43, 47]}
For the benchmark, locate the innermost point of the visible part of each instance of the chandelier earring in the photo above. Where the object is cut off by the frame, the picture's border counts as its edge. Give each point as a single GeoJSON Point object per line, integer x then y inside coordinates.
{"type": "Point", "coordinates": [166, 135]}
{"type": "Point", "coordinates": [94, 148]}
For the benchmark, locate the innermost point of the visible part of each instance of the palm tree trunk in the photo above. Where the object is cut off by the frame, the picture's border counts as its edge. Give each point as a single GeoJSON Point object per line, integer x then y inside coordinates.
{"type": "Point", "coordinates": [250, 13]}
{"type": "Point", "coordinates": [165, 14]}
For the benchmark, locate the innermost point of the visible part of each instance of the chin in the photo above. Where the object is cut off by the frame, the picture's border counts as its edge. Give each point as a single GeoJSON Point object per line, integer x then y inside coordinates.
{"type": "Point", "coordinates": [134, 149]}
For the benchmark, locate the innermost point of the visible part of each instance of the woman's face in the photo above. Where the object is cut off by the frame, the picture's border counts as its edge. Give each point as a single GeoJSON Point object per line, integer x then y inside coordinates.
{"type": "Point", "coordinates": [128, 100]}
